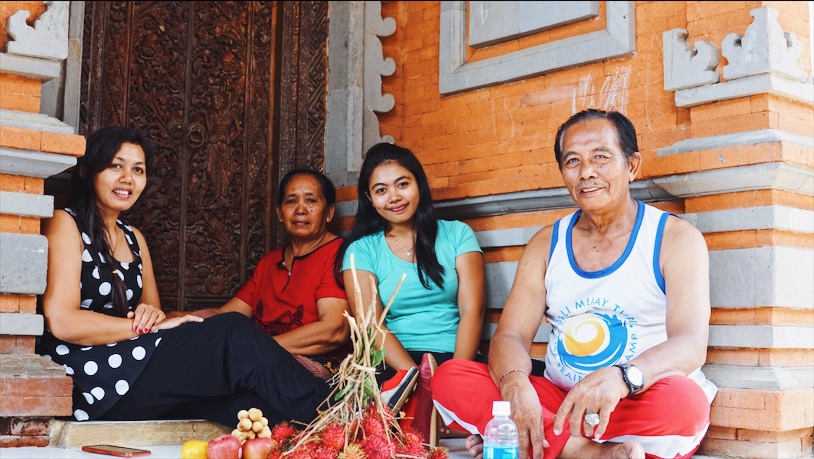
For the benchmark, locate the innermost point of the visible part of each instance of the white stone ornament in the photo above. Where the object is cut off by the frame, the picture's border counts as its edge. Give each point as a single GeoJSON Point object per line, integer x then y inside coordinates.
{"type": "Point", "coordinates": [47, 39]}
{"type": "Point", "coordinates": [764, 48]}
{"type": "Point", "coordinates": [685, 67]}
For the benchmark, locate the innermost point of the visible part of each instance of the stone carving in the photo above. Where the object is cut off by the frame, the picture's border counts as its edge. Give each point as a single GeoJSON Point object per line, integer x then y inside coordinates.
{"type": "Point", "coordinates": [763, 60]}
{"type": "Point", "coordinates": [685, 67]}
{"type": "Point", "coordinates": [48, 39]}
{"type": "Point", "coordinates": [376, 66]}
{"type": "Point", "coordinates": [764, 48]}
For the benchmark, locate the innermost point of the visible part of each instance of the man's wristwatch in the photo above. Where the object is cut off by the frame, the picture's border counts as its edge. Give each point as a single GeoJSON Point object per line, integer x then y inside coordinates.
{"type": "Point", "coordinates": [633, 376]}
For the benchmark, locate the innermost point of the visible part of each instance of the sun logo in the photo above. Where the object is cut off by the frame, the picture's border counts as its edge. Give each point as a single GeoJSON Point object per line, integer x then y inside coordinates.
{"type": "Point", "coordinates": [592, 341]}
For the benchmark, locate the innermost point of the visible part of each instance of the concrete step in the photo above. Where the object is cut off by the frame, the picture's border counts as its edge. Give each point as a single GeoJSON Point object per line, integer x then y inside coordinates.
{"type": "Point", "coordinates": [72, 434]}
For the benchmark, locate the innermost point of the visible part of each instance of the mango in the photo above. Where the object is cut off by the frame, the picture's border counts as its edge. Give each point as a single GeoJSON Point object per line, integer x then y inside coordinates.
{"type": "Point", "coordinates": [194, 449]}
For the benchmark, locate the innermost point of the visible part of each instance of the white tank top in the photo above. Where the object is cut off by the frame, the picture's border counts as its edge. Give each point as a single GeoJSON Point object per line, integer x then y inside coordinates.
{"type": "Point", "coordinates": [610, 316]}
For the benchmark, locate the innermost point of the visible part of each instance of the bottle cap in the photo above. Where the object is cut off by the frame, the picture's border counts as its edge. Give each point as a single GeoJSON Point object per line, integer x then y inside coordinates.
{"type": "Point", "coordinates": [501, 408]}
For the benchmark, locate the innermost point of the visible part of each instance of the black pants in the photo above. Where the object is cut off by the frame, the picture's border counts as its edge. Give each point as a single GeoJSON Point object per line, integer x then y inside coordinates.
{"type": "Point", "coordinates": [213, 369]}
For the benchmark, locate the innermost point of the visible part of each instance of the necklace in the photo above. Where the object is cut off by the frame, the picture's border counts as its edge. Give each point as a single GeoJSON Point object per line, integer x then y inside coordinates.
{"type": "Point", "coordinates": [116, 244]}
{"type": "Point", "coordinates": [407, 252]}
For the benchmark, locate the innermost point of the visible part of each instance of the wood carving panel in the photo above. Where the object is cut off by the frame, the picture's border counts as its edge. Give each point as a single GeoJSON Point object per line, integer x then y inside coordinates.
{"type": "Point", "coordinates": [215, 186]}
{"type": "Point", "coordinates": [158, 48]}
{"type": "Point", "coordinates": [304, 71]}
{"type": "Point", "coordinates": [259, 213]}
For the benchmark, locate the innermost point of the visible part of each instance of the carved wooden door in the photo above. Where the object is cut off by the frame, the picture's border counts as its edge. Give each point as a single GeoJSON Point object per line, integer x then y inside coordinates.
{"type": "Point", "coordinates": [197, 77]}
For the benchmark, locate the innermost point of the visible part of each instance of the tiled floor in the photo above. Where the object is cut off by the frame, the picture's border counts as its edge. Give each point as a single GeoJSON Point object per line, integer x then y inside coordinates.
{"type": "Point", "coordinates": [454, 445]}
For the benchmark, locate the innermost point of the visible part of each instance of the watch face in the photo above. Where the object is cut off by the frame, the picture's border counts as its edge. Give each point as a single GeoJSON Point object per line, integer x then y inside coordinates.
{"type": "Point", "coordinates": [635, 376]}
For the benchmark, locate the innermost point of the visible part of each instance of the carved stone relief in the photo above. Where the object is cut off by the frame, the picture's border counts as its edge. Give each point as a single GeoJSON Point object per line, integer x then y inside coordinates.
{"type": "Point", "coordinates": [763, 60]}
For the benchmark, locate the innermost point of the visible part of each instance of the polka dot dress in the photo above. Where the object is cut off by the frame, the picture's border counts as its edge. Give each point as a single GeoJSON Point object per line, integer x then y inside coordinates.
{"type": "Point", "coordinates": [102, 374]}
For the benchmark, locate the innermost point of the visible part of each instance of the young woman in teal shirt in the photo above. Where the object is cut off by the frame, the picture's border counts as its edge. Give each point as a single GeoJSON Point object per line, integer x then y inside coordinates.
{"type": "Point", "coordinates": [439, 307]}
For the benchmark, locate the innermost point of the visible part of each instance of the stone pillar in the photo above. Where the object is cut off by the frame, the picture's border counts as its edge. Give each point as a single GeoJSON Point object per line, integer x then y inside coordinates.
{"type": "Point", "coordinates": [32, 147]}
{"type": "Point", "coordinates": [746, 178]}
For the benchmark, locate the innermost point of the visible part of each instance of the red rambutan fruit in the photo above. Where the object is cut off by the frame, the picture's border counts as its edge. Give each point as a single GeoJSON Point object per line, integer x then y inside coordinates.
{"type": "Point", "coordinates": [412, 436]}
{"type": "Point", "coordinates": [333, 437]}
{"type": "Point", "coordinates": [378, 447]}
{"type": "Point", "coordinates": [438, 453]}
{"type": "Point", "coordinates": [282, 432]}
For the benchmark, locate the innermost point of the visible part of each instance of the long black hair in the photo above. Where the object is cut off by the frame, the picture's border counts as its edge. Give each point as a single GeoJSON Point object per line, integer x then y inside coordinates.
{"type": "Point", "coordinates": [368, 221]}
{"type": "Point", "coordinates": [100, 150]}
{"type": "Point", "coordinates": [625, 131]}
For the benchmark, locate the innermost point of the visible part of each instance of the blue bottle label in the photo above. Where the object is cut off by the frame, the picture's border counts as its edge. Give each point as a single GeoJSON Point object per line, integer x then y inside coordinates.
{"type": "Point", "coordinates": [500, 452]}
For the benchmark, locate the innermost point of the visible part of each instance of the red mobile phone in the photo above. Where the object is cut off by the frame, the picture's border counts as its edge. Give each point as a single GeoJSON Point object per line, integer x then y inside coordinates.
{"type": "Point", "coordinates": [119, 451]}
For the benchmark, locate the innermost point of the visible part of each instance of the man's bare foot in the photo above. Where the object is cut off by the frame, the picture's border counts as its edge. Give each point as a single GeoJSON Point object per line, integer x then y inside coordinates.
{"type": "Point", "coordinates": [585, 448]}
{"type": "Point", "coordinates": [627, 450]}
{"type": "Point", "coordinates": [474, 444]}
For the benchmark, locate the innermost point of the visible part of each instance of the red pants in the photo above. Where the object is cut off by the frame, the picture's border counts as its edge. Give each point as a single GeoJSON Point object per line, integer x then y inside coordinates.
{"type": "Point", "coordinates": [669, 420]}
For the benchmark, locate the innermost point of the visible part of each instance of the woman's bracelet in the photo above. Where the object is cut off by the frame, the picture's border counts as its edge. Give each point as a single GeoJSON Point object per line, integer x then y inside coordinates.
{"type": "Point", "coordinates": [516, 370]}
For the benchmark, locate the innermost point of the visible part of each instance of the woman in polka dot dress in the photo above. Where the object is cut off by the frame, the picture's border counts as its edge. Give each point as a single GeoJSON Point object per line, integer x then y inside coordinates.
{"type": "Point", "coordinates": [105, 325]}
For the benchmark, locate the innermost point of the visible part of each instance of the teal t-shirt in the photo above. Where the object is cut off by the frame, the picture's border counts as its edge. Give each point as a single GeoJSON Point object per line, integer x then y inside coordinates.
{"type": "Point", "coordinates": [422, 319]}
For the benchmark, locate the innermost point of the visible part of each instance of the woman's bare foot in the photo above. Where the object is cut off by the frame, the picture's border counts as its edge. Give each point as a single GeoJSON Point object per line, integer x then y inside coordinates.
{"type": "Point", "coordinates": [474, 444]}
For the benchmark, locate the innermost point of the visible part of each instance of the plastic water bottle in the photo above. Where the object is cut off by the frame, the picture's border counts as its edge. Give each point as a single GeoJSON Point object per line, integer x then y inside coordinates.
{"type": "Point", "coordinates": [500, 439]}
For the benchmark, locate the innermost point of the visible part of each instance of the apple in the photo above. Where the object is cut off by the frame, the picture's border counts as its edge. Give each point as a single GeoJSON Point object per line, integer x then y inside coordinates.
{"type": "Point", "coordinates": [224, 446]}
{"type": "Point", "coordinates": [258, 448]}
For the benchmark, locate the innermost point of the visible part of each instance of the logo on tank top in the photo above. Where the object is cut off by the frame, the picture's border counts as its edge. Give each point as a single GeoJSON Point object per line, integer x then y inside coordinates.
{"type": "Point", "coordinates": [592, 339]}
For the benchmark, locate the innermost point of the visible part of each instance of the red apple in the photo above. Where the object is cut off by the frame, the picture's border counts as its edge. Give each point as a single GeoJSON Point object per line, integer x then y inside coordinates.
{"type": "Point", "coordinates": [258, 448]}
{"type": "Point", "coordinates": [223, 447]}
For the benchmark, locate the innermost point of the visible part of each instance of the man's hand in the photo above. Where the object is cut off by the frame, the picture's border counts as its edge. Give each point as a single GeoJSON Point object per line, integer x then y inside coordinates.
{"type": "Point", "coordinates": [145, 317]}
{"type": "Point", "coordinates": [527, 413]}
{"type": "Point", "coordinates": [599, 393]}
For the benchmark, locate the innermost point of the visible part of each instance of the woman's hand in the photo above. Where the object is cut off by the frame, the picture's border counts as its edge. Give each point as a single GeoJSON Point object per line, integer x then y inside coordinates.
{"type": "Point", "coordinates": [145, 317]}
{"type": "Point", "coordinates": [176, 321]}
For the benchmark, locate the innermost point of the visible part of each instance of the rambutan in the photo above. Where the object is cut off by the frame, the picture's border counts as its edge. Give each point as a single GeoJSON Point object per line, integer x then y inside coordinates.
{"type": "Point", "coordinates": [324, 452]}
{"type": "Point", "coordinates": [282, 432]}
{"type": "Point", "coordinates": [413, 450]}
{"type": "Point", "coordinates": [333, 437]}
{"type": "Point", "coordinates": [300, 453]}
{"type": "Point", "coordinates": [378, 447]}
{"type": "Point", "coordinates": [275, 454]}
{"type": "Point", "coordinates": [353, 451]}
{"type": "Point", "coordinates": [372, 424]}
{"type": "Point", "coordinates": [411, 436]}
{"type": "Point", "coordinates": [438, 453]}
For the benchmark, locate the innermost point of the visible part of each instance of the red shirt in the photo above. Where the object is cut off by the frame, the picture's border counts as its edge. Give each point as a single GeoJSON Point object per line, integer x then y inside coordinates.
{"type": "Point", "coordinates": [281, 302]}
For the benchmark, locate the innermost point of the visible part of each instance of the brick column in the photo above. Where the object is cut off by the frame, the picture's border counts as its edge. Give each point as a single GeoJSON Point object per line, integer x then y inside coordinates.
{"type": "Point", "coordinates": [32, 147]}
{"type": "Point", "coordinates": [745, 175]}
